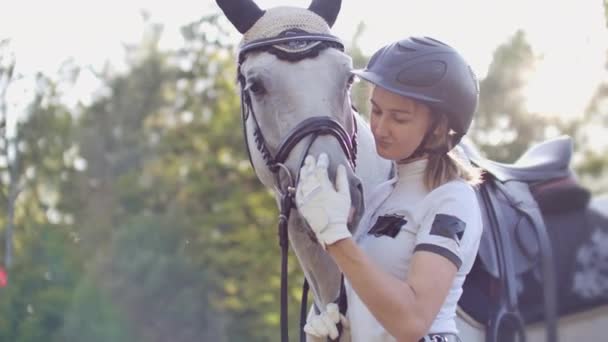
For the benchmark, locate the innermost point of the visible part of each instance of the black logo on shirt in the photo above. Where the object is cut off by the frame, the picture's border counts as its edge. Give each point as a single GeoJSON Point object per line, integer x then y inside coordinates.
{"type": "Point", "coordinates": [448, 226]}
{"type": "Point", "coordinates": [388, 225]}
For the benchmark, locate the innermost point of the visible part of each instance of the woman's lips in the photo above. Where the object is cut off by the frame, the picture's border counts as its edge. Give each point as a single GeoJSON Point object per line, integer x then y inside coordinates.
{"type": "Point", "coordinates": [382, 144]}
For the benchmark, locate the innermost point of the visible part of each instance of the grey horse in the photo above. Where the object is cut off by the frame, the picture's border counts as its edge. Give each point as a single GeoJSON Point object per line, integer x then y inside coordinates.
{"type": "Point", "coordinates": [286, 83]}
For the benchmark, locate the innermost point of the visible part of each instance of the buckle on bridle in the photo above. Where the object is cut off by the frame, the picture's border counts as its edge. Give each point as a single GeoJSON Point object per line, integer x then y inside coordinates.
{"type": "Point", "coordinates": [438, 338]}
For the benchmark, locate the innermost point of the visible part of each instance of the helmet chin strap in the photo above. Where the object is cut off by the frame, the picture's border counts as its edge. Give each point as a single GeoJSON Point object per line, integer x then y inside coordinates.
{"type": "Point", "coordinates": [456, 137]}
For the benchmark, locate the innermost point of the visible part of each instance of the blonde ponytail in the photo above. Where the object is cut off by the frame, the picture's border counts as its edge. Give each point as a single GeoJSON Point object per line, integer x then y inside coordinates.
{"type": "Point", "coordinates": [444, 167]}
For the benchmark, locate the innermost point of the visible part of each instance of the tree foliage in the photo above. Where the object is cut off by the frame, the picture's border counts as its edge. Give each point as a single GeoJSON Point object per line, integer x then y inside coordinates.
{"type": "Point", "coordinates": [361, 91]}
{"type": "Point", "coordinates": [139, 217]}
{"type": "Point", "coordinates": [503, 126]}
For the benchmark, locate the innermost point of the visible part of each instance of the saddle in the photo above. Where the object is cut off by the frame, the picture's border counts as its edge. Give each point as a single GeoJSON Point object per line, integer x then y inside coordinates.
{"type": "Point", "coordinates": [513, 199]}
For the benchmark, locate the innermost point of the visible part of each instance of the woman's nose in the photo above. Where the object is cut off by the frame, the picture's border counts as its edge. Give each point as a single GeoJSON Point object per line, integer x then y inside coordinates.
{"type": "Point", "coordinates": [381, 127]}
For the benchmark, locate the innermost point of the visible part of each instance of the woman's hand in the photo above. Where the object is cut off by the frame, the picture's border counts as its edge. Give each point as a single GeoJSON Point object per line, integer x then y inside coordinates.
{"type": "Point", "coordinates": [325, 209]}
{"type": "Point", "coordinates": [325, 324]}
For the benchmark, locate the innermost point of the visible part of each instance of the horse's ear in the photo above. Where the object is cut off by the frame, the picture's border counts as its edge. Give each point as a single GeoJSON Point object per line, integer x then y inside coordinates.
{"type": "Point", "coordinates": [328, 9]}
{"type": "Point", "coordinates": [241, 13]}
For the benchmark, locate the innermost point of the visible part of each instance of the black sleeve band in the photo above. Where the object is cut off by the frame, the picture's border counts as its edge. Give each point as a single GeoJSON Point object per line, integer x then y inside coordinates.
{"type": "Point", "coordinates": [444, 252]}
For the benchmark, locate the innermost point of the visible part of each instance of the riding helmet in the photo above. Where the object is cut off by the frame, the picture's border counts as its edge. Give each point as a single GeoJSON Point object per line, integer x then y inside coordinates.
{"type": "Point", "coordinates": [430, 71]}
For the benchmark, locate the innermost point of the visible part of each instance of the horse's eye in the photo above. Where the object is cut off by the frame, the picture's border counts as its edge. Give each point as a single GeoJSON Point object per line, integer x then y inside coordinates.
{"type": "Point", "coordinates": [351, 80]}
{"type": "Point", "coordinates": [256, 87]}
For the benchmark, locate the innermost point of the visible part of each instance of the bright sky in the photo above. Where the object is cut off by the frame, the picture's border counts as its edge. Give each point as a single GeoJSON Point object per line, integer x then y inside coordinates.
{"type": "Point", "coordinates": [569, 35]}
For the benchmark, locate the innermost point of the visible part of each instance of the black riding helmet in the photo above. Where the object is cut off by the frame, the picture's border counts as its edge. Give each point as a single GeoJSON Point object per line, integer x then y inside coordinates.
{"type": "Point", "coordinates": [429, 71]}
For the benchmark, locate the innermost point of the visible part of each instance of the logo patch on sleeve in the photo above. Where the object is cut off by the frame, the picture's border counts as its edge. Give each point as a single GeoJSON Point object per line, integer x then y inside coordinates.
{"type": "Point", "coordinates": [448, 226]}
{"type": "Point", "coordinates": [388, 225]}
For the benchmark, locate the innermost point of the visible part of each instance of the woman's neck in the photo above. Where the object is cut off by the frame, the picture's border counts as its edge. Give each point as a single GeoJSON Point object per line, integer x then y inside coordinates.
{"type": "Point", "coordinates": [411, 160]}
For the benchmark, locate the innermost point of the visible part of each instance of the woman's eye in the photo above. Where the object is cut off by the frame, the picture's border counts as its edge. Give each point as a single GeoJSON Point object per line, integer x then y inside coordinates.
{"type": "Point", "coordinates": [402, 120]}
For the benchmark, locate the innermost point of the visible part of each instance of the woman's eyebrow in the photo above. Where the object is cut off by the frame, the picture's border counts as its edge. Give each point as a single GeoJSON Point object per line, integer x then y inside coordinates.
{"type": "Point", "coordinates": [393, 110]}
{"type": "Point", "coordinates": [401, 111]}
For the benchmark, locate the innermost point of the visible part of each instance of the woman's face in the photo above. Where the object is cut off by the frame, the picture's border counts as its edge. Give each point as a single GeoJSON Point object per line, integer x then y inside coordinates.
{"type": "Point", "coordinates": [398, 123]}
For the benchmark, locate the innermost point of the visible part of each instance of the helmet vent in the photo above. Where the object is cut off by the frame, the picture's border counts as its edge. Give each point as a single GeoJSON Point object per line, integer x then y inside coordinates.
{"type": "Point", "coordinates": [437, 41]}
{"type": "Point", "coordinates": [423, 74]}
{"type": "Point", "coordinates": [423, 41]}
{"type": "Point", "coordinates": [404, 48]}
{"type": "Point", "coordinates": [474, 79]}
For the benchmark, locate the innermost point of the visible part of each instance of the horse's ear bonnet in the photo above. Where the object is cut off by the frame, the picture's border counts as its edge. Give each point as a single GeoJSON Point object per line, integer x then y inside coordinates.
{"type": "Point", "coordinates": [256, 24]}
{"type": "Point", "coordinates": [277, 20]}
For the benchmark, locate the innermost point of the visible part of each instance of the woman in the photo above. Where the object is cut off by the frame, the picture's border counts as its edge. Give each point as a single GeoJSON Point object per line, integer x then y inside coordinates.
{"type": "Point", "coordinates": [420, 234]}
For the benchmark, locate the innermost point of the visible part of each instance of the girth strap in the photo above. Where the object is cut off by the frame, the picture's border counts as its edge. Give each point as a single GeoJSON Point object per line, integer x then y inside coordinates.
{"type": "Point", "coordinates": [507, 308]}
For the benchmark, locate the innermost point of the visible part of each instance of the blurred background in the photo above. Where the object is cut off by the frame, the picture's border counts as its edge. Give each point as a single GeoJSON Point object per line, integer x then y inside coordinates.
{"type": "Point", "coordinates": [129, 211]}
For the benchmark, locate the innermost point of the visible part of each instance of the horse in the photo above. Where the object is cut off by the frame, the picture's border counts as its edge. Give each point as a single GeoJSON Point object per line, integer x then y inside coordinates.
{"type": "Point", "coordinates": [295, 81]}
{"type": "Point", "coordinates": [532, 265]}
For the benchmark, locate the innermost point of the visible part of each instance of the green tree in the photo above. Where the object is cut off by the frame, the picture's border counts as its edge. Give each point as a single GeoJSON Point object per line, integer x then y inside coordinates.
{"type": "Point", "coordinates": [593, 164]}
{"type": "Point", "coordinates": [236, 216]}
{"type": "Point", "coordinates": [606, 11]}
{"type": "Point", "coordinates": [121, 137]}
{"type": "Point", "coordinates": [503, 127]}
{"type": "Point", "coordinates": [9, 153]}
{"type": "Point", "coordinates": [361, 91]}
{"type": "Point", "coordinates": [168, 187]}
{"type": "Point", "coordinates": [44, 285]}
{"type": "Point", "coordinates": [156, 273]}
{"type": "Point", "coordinates": [47, 262]}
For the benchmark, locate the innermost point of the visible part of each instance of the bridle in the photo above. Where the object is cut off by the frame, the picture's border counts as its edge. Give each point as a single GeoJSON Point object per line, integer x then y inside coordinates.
{"type": "Point", "coordinates": [312, 128]}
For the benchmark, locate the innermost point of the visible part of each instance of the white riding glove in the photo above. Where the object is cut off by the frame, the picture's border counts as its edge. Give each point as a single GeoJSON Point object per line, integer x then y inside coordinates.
{"type": "Point", "coordinates": [325, 324]}
{"type": "Point", "coordinates": [325, 209]}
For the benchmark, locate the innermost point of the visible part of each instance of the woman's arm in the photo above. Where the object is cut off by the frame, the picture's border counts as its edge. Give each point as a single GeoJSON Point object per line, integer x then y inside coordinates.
{"type": "Point", "coordinates": [406, 309]}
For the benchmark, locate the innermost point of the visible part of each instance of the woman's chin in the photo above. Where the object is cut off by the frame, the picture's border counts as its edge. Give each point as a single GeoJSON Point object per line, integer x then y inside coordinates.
{"type": "Point", "coordinates": [382, 153]}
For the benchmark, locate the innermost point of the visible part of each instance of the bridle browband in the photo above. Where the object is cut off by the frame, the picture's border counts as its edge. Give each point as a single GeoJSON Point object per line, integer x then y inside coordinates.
{"type": "Point", "coordinates": [289, 36]}
{"type": "Point", "coordinates": [312, 127]}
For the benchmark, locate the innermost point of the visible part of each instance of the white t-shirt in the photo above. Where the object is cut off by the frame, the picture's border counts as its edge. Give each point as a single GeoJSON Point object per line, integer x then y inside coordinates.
{"type": "Point", "coordinates": [403, 217]}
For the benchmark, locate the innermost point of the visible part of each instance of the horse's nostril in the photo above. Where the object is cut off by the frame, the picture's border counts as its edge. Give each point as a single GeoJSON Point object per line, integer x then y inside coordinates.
{"type": "Point", "coordinates": [359, 187]}
{"type": "Point", "coordinates": [356, 184]}
{"type": "Point", "coordinates": [357, 208]}
{"type": "Point", "coordinates": [356, 194]}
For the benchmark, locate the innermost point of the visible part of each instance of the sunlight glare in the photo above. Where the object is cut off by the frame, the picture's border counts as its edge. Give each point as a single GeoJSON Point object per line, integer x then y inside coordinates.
{"type": "Point", "coordinates": [569, 36]}
{"type": "Point", "coordinates": [571, 44]}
